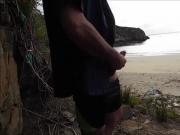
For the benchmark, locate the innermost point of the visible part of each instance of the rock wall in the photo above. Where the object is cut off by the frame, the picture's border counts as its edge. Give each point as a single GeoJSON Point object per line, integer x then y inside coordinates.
{"type": "Point", "coordinates": [10, 110]}
{"type": "Point", "coordinates": [129, 36]}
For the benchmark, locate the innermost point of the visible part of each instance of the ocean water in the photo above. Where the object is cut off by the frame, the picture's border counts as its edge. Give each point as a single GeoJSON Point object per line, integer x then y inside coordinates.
{"type": "Point", "coordinates": [155, 18]}
{"type": "Point", "coordinates": [163, 44]}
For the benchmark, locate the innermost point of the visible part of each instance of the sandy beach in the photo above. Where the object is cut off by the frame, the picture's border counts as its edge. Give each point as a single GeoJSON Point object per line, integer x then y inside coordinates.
{"type": "Point", "coordinates": [160, 72]}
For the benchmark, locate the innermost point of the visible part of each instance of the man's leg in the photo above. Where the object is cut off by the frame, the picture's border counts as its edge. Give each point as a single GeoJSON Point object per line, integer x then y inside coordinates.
{"type": "Point", "coordinates": [114, 111]}
{"type": "Point", "coordinates": [86, 128]}
{"type": "Point", "coordinates": [90, 114]}
{"type": "Point", "coordinates": [111, 120]}
{"type": "Point", "coordinates": [100, 131]}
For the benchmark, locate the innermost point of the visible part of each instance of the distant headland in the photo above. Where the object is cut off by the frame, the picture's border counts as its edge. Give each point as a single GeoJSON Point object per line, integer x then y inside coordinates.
{"type": "Point", "coordinates": [129, 36]}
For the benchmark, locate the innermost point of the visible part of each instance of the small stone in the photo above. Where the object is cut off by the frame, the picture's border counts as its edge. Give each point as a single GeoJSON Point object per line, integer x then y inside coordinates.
{"type": "Point", "coordinates": [152, 93]}
{"type": "Point", "coordinates": [146, 121]}
{"type": "Point", "coordinates": [176, 104]}
{"type": "Point", "coordinates": [134, 118]}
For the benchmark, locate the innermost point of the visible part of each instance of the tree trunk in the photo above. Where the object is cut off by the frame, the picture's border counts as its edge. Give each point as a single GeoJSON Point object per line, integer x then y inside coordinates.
{"type": "Point", "coordinates": [10, 102]}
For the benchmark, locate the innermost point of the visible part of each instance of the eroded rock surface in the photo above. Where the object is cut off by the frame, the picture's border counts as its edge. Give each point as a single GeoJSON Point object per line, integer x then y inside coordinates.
{"type": "Point", "coordinates": [10, 112]}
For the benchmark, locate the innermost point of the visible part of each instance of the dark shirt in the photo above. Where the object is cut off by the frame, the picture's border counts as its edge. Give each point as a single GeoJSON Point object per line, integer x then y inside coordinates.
{"type": "Point", "coordinates": [99, 14]}
{"type": "Point", "coordinates": [74, 70]}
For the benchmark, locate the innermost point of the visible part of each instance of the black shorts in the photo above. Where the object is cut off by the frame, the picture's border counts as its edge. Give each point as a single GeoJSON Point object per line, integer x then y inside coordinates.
{"type": "Point", "coordinates": [94, 108]}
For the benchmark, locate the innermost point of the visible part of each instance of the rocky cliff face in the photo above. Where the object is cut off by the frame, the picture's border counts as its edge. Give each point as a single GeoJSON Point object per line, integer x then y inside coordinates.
{"type": "Point", "coordinates": [129, 35]}
{"type": "Point", "coordinates": [10, 112]}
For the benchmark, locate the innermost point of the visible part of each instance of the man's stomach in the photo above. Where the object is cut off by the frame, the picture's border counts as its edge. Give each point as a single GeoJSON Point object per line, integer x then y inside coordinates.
{"type": "Point", "coordinates": [97, 79]}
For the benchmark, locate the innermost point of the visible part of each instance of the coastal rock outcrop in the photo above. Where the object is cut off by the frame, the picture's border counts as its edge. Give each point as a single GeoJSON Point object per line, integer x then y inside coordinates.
{"type": "Point", "coordinates": [10, 112]}
{"type": "Point", "coordinates": [129, 35]}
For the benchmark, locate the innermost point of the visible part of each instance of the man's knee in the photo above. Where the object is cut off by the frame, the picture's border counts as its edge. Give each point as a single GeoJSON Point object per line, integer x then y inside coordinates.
{"type": "Point", "coordinates": [111, 119]}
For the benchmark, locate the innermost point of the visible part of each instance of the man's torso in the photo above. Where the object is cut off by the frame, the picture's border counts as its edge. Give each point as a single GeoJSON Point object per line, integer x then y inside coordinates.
{"type": "Point", "coordinates": [73, 68]}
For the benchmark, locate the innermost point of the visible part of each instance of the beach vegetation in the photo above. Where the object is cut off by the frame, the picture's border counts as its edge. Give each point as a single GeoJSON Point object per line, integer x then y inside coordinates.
{"type": "Point", "coordinates": [157, 108]}
{"type": "Point", "coordinates": [172, 114]}
{"type": "Point", "coordinates": [129, 96]}
{"type": "Point", "coordinates": [126, 93]}
{"type": "Point", "coordinates": [160, 108]}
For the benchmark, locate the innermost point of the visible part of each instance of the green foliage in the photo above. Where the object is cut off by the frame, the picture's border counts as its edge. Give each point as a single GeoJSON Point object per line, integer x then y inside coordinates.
{"type": "Point", "coordinates": [161, 109]}
{"type": "Point", "coordinates": [133, 100]}
{"type": "Point", "coordinates": [157, 108]}
{"type": "Point", "coordinates": [126, 93]}
{"type": "Point", "coordinates": [172, 114]}
{"type": "Point", "coordinates": [28, 11]}
{"type": "Point", "coordinates": [148, 103]}
{"type": "Point", "coordinates": [39, 28]}
{"type": "Point", "coordinates": [129, 97]}
{"type": "Point", "coordinates": [26, 6]}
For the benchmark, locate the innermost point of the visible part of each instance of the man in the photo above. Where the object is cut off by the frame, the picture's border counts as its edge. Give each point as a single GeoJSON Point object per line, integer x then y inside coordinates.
{"type": "Point", "coordinates": [81, 35]}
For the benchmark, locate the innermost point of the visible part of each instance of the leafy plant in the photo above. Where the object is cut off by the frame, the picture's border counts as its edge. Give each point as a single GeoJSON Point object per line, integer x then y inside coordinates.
{"type": "Point", "coordinates": [172, 114]}
{"type": "Point", "coordinates": [129, 97]}
{"type": "Point", "coordinates": [126, 93]}
{"type": "Point", "coordinates": [161, 110]}
{"type": "Point", "coordinates": [133, 100]}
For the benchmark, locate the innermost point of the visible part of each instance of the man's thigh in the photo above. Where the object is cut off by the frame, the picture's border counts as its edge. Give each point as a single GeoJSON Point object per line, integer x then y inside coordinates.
{"type": "Point", "coordinates": [95, 108]}
{"type": "Point", "coordinates": [112, 118]}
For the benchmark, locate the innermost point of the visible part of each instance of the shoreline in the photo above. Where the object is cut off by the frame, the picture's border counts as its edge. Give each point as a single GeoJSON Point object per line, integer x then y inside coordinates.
{"type": "Point", "coordinates": [153, 64]}
{"type": "Point", "coordinates": [159, 72]}
{"type": "Point", "coordinates": [132, 55]}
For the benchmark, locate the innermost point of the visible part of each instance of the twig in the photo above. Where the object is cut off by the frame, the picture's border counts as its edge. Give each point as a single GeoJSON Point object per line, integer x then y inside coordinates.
{"type": "Point", "coordinates": [40, 128]}
{"type": "Point", "coordinates": [49, 129]}
{"type": "Point", "coordinates": [55, 122]}
{"type": "Point", "coordinates": [53, 130]}
{"type": "Point", "coordinates": [43, 82]}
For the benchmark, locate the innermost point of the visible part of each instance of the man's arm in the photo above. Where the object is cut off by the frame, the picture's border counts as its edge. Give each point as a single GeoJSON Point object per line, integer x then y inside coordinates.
{"type": "Point", "coordinates": [87, 38]}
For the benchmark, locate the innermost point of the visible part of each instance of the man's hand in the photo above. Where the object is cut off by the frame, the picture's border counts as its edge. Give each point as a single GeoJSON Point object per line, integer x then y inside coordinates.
{"type": "Point", "coordinates": [122, 60]}
{"type": "Point", "coordinates": [123, 53]}
{"type": "Point", "coordinates": [88, 39]}
{"type": "Point", "coordinates": [118, 62]}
